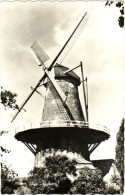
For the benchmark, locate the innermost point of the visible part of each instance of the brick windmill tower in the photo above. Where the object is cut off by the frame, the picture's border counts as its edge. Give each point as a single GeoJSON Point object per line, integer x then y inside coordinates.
{"type": "Point", "coordinates": [64, 126]}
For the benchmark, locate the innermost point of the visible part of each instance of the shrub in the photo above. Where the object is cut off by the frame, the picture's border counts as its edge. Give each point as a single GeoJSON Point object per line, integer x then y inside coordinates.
{"type": "Point", "coordinates": [89, 181]}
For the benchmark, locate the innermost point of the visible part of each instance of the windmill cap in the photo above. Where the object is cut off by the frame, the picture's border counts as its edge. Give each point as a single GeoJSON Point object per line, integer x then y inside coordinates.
{"type": "Point", "coordinates": [60, 74]}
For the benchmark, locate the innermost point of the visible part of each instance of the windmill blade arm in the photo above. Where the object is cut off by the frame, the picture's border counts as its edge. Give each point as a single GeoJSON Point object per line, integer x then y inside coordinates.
{"type": "Point", "coordinates": [59, 91]}
{"type": "Point", "coordinates": [56, 58]}
{"type": "Point", "coordinates": [29, 96]}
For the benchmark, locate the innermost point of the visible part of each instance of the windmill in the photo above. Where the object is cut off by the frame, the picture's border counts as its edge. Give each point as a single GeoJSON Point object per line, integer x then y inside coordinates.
{"type": "Point", "coordinates": [64, 124]}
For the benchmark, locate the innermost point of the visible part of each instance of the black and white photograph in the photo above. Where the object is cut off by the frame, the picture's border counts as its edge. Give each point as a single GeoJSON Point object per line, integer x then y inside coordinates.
{"type": "Point", "coordinates": [62, 97]}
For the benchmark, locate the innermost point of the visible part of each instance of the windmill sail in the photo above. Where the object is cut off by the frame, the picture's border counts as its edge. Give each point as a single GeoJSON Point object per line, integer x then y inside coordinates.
{"type": "Point", "coordinates": [39, 53]}
{"type": "Point", "coordinates": [73, 39]}
{"type": "Point", "coordinates": [67, 42]}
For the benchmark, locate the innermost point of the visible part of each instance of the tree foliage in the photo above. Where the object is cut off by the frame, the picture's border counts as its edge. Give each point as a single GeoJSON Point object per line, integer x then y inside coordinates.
{"type": "Point", "coordinates": [22, 190]}
{"type": "Point", "coordinates": [8, 176]}
{"type": "Point", "coordinates": [53, 177]}
{"type": "Point", "coordinates": [112, 190]}
{"type": "Point", "coordinates": [119, 5]}
{"type": "Point", "coordinates": [113, 185]}
{"type": "Point", "coordinates": [8, 99]}
{"type": "Point", "coordinates": [89, 181]}
{"type": "Point", "coordinates": [119, 159]}
{"type": "Point", "coordinates": [8, 180]}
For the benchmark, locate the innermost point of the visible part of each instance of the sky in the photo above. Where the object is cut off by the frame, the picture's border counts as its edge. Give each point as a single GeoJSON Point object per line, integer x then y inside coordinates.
{"type": "Point", "coordinates": [100, 47]}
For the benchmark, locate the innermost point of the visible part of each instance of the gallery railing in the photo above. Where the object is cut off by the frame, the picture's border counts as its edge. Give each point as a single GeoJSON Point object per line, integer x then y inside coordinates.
{"type": "Point", "coordinates": [64, 123]}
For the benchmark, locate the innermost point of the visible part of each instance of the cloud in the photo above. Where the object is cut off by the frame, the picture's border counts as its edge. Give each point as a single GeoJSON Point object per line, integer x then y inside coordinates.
{"type": "Point", "coordinates": [21, 24]}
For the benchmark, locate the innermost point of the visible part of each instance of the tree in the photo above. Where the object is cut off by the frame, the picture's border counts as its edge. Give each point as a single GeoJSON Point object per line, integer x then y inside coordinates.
{"type": "Point", "coordinates": [53, 177]}
{"type": "Point", "coordinates": [8, 180]}
{"type": "Point", "coordinates": [8, 99]}
{"type": "Point", "coordinates": [119, 158]}
{"type": "Point", "coordinates": [8, 176]}
{"type": "Point", "coordinates": [3, 150]}
{"type": "Point", "coordinates": [119, 5]}
{"type": "Point", "coordinates": [22, 190]}
{"type": "Point", "coordinates": [60, 176]}
{"type": "Point", "coordinates": [89, 181]}
{"type": "Point", "coordinates": [113, 184]}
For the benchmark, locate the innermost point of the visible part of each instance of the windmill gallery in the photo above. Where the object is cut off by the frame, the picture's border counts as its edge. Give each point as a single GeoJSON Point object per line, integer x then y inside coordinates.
{"type": "Point", "coordinates": [65, 125]}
